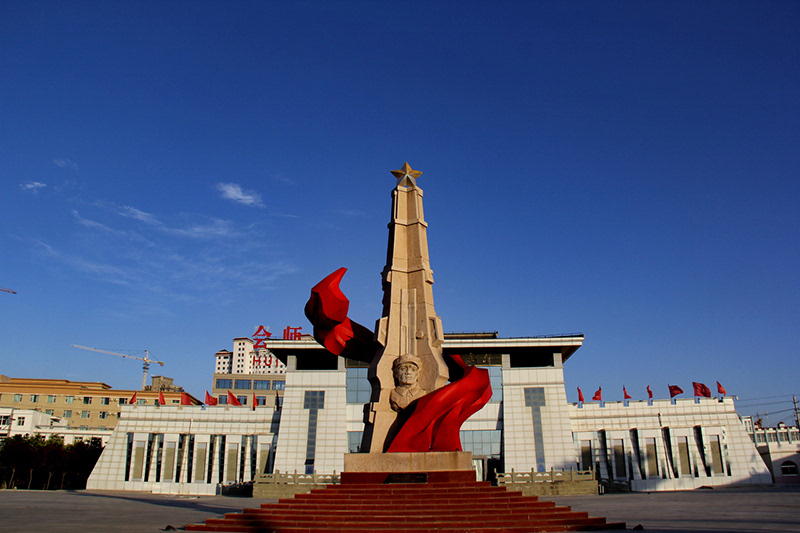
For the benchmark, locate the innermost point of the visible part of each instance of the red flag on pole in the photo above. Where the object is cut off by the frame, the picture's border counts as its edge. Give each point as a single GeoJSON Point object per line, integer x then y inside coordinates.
{"type": "Point", "coordinates": [255, 402]}
{"type": "Point", "coordinates": [674, 390]}
{"type": "Point", "coordinates": [721, 389]}
{"type": "Point", "coordinates": [186, 399]}
{"type": "Point", "coordinates": [598, 396]}
{"type": "Point", "coordinates": [701, 390]}
{"type": "Point", "coordinates": [132, 401]}
{"type": "Point", "coordinates": [161, 400]}
{"type": "Point", "coordinates": [580, 395]}
{"type": "Point", "coordinates": [210, 400]}
{"type": "Point", "coordinates": [649, 392]}
{"type": "Point", "coordinates": [232, 400]}
{"type": "Point", "coordinates": [625, 394]}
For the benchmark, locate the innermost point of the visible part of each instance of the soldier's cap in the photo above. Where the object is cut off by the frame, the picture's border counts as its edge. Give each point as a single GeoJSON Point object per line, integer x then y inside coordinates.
{"type": "Point", "coordinates": [407, 360]}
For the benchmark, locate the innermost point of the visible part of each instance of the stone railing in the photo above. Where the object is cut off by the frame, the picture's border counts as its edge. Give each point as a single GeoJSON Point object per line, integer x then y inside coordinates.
{"type": "Point", "coordinates": [545, 477]}
{"type": "Point", "coordinates": [554, 482]}
{"type": "Point", "coordinates": [281, 478]}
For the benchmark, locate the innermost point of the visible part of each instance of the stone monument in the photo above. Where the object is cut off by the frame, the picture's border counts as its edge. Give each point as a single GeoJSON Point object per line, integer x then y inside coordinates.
{"type": "Point", "coordinates": [419, 398]}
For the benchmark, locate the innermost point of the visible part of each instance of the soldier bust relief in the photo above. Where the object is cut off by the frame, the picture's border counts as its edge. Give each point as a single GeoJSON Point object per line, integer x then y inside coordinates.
{"type": "Point", "coordinates": [406, 373]}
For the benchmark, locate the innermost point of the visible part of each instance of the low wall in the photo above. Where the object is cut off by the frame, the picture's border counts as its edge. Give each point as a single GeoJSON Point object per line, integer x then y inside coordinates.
{"type": "Point", "coordinates": [552, 483]}
{"type": "Point", "coordinates": [283, 485]}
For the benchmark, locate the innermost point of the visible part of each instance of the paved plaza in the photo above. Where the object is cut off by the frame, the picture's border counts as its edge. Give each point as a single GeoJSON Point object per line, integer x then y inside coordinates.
{"type": "Point", "coordinates": [774, 509]}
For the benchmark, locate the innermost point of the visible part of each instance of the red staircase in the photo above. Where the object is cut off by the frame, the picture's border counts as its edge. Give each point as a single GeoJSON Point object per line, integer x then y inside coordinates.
{"type": "Point", "coordinates": [474, 507]}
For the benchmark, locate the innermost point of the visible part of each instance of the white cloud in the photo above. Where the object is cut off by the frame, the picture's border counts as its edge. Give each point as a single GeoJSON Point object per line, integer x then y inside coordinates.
{"type": "Point", "coordinates": [234, 192]}
{"type": "Point", "coordinates": [108, 272]}
{"type": "Point", "coordinates": [65, 163]}
{"type": "Point", "coordinates": [215, 228]}
{"type": "Point", "coordinates": [92, 224]}
{"type": "Point", "coordinates": [281, 179]}
{"type": "Point", "coordinates": [33, 186]}
{"type": "Point", "coordinates": [132, 212]}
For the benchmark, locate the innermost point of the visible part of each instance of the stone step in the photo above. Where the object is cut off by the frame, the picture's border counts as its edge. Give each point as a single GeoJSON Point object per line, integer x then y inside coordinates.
{"type": "Point", "coordinates": [374, 524]}
{"type": "Point", "coordinates": [429, 509]}
{"type": "Point", "coordinates": [431, 503]}
{"type": "Point", "coordinates": [522, 514]}
{"type": "Point", "coordinates": [527, 528]}
{"type": "Point", "coordinates": [448, 498]}
{"type": "Point", "coordinates": [464, 507]}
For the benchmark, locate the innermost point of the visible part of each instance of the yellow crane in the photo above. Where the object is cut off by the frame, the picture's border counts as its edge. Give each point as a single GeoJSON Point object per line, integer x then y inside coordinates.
{"type": "Point", "coordinates": [146, 359]}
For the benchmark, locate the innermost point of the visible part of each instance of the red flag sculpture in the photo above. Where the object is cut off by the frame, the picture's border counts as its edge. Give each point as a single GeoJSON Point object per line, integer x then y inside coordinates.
{"type": "Point", "coordinates": [674, 390]}
{"type": "Point", "coordinates": [232, 400]}
{"type": "Point", "coordinates": [598, 396]}
{"type": "Point", "coordinates": [721, 389]}
{"type": "Point", "coordinates": [132, 401]}
{"type": "Point", "coordinates": [580, 395]}
{"type": "Point", "coordinates": [625, 394]}
{"type": "Point", "coordinates": [649, 392]}
{"type": "Point", "coordinates": [701, 390]}
{"type": "Point", "coordinates": [255, 402]}
{"type": "Point", "coordinates": [210, 400]}
{"type": "Point", "coordinates": [161, 400]}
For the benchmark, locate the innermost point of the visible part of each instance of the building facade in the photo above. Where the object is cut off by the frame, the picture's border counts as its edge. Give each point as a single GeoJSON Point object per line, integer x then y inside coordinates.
{"type": "Point", "coordinates": [527, 425]}
{"type": "Point", "coordinates": [80, 405]}
{"type": "Point", "coordinates": [249, 373]}
{"type": "Point", "coordinates": [779, 448]}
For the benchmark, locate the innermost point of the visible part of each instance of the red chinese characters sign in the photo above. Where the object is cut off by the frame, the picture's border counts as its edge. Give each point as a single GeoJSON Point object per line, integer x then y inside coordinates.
{"type": "Point", "coordinates": [260, 338]}
{"type": "Point", "coordinates": [292, 334]}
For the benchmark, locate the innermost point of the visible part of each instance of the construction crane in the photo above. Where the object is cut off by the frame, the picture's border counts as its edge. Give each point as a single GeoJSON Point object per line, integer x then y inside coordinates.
{"type": "Point", "coordinates": [7, 290]}
{"type": "Point", "coordinates": [146, 359]}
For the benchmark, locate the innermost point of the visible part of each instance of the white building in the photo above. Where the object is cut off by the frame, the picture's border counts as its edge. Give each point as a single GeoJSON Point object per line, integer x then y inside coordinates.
{"type": "Point", "coordinates": [779, 447]}
{"type": "Point", "coordinates": [32, 422]}
{"type": "Point", "coordinates": [527, 425]}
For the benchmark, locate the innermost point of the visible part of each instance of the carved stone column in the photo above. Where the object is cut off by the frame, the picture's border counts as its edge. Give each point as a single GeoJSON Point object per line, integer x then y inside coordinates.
{"type": "Point", "coordinates": [409, 326]}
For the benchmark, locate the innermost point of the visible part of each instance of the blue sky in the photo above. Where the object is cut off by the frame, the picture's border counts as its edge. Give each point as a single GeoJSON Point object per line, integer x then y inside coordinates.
{"type": "Point", "coordinates": [174, 174]}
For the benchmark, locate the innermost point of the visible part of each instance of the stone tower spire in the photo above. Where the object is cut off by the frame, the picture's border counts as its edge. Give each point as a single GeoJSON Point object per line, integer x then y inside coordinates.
{"type": "Point", "coordinates": [409, 327]}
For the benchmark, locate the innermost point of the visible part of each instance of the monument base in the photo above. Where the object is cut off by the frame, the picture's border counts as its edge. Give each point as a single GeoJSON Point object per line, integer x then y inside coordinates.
{"type": "Point", "coordinates": [428, 467]}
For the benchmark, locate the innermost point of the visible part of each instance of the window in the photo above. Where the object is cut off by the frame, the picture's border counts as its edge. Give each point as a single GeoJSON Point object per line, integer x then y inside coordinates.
{"type": "Point", "coordinates": [242, 399]}
{"type": "Point", "coordinates": [261, 384]}
{"type": "Point", "coordinates": [354, 441]}
{"type": "Point", "coordinates": [87, 400]}
{"type": "Point", "coordinates": [783, 436]}
{"type": "Point", "coordinates": [85, 414]}
{"type": "Point", "coordinates": [141, 401]}
{"type": "Point", "coordinates": [18, 397]}
{"type": "Point", "coordinates": [5, 420]}
{"type": "Point", "coordinates": [48, 412]}
{"type": "Point", "coordinates": [67, 413]}
{"type": "Point", "coordinates": [123, 401]}
{"type": "Point", "coordinates": [51, 398]}
{"type": "Point", "coordinates": [223, 400]}
{"type": "Point", "coordinates": [496, 380]}
{"type": "Point", "coordinates": [358, 387]}
{"type": "Point", "coordinates": [69, 399]}
{"type": "Point", "coordinates": [21, 421]}
{"type": "Point", "coordinates": [771, 437]}
{"type": "Point", "coordinates": [482, 442]}
{"type": "Point", "coordinates": [103, 415]}
{"type": "Point", "coordinates": [278, 385]}
{"type": "Point", "coordinates": [788, 468]}
{"type": "Point", "coordinates": [261, 400]}
{"type": "Point", "coordinates": [242, 384]}
{"type": "Point", "coordinates": [105, 401]}
{"type": "Point", "coordinates": [34, 398]}
{"type": "Point", "coordinates": [224, 384]}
